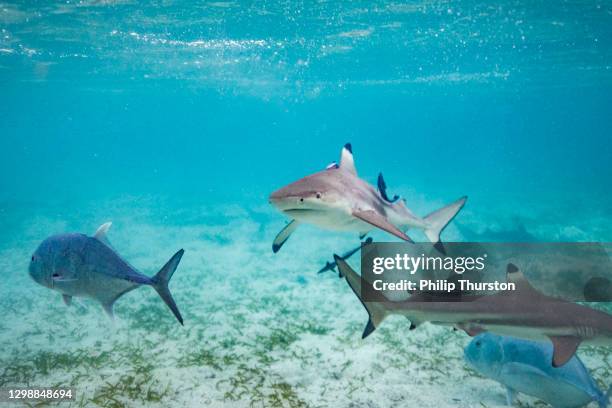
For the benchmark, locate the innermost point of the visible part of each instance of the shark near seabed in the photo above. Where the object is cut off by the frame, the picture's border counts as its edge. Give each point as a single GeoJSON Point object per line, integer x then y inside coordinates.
{"type": "Point", "coordinates": [524, 313]}
{"type": "Point", "coordinates": [84, 266]}
{"type": "Point", "coordinates": [338, 199]}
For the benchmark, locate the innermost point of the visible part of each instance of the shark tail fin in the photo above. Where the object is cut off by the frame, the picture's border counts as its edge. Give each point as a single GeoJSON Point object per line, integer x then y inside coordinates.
{"type": "Point", "coordinates": [605, 399]}
{"type": "Point", "coordinates": [439, 219]}
{"type": "Point", "coordinates": [162, 278]}
{"type": "Point", "coordinates": [375, 309]}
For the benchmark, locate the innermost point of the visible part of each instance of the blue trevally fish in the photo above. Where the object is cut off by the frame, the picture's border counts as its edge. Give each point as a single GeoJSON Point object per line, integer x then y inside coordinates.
{"type": "Point", "coordinates": [524, 366]}
{"type": "Point", "coordinates": [79, 265]}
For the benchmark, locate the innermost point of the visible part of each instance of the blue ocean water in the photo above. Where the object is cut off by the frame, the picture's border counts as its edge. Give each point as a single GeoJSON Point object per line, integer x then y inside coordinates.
{"type": "Point", "coordinates": [176, 120]}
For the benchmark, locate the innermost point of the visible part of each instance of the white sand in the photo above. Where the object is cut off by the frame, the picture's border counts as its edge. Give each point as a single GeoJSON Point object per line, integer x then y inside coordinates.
{"type": "Point", "coordinates": [261, 329]}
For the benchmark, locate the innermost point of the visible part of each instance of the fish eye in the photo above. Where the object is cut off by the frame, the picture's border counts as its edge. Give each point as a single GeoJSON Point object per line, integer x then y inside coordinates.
{"type": "Point", "coordinates": [318, 195]}
{"type": "Point", "coordinates": [478, 343]}
{"type": "Point", "coordinates": [301, 200]}
{"type": "Point", "coordinates": [33, 258]}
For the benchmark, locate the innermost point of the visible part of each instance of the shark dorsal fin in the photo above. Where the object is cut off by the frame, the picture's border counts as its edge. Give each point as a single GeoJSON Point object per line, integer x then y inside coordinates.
{"type": "Point", "coordinates": [514, 275]}
{"type": "Point", "coordinates": [382, 189]}
{"type": "Point", "coordinates": [346, 159]}
{"type": "Point", "coordinates": [100, 234]}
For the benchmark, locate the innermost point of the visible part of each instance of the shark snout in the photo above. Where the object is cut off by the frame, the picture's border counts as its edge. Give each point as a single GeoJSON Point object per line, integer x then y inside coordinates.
{"type": "Point", "coordinates": [277, 196]}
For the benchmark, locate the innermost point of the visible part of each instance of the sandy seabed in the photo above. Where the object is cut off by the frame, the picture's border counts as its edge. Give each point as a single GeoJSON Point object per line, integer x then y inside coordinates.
{"type": "Point", "coordinates": [261, 329]}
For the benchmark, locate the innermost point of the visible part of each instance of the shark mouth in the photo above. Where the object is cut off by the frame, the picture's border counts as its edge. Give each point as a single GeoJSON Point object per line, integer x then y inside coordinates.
{"type": "Point", "coordinates": [302, 212]}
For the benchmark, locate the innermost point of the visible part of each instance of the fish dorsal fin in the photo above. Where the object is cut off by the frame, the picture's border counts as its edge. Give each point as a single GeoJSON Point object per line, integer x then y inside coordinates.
{"type": "Point", "coordinates": [346, 159]}
{"type": "Point", "coordinates": [382, 189]}
{"type": "Point", "coordinates": [514, 275]}
{"type": "Point", "coordinates": [100, 234]}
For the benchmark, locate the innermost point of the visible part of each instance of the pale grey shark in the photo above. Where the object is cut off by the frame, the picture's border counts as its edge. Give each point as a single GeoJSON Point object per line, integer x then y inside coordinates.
{"type": "Point", "coordinates": [523, 313]}
{"type": "Point", "coordinates": [338, 199]}
{"type": "Point", "coordinates": [84, 266]}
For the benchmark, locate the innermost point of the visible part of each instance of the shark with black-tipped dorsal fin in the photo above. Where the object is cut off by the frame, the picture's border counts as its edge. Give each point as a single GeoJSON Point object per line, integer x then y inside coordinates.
{"type": "Point", "coordinates": [524, 313]}
{"type": "Point", "coordinates": [338, 199]}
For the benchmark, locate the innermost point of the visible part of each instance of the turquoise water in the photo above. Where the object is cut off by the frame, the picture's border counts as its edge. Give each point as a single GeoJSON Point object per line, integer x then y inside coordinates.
{"type": "Point", "coordinates": [175, 121]}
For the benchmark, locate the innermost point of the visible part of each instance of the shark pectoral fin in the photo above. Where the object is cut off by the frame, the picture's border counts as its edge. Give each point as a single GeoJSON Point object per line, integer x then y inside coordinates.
{"type": "Point", "coordinates": [564, 347]}
{"type": "Point", "coordinates": [346, 159]}
{"type": "Point", "coordinates": [328, 267]}
{"type": "Point", "coordinates": [284, 235]}
{"type": "Point", "coordinates": [374, 305]}
{"type": "Point", "coordinates": [379, 221]}
{"type": "Point", "coordinates": [67, 299]}
{"type": "Point", "coordinates": [101, 233]}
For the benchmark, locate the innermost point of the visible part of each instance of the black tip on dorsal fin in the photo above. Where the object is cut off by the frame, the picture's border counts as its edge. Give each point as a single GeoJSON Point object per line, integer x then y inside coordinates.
{"type": "Point", "coordinates": [382, 188]}
{"type": "Point", "coordinates": [516, 276]}
{"type": "Point", "coordinates": [348, 147]}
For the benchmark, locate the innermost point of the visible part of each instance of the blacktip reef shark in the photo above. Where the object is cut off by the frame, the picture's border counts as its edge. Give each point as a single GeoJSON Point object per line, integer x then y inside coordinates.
{"type": "Point", "coordinates": [524, 313]}
{"type": "Point", "coordinates": [338, 199]}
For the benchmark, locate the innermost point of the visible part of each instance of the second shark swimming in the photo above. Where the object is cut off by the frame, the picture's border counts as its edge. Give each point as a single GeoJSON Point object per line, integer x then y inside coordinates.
{"type": "Point", "coordinates": [338, 199]}
{"type": "Point", "coordinates": [525, 313]}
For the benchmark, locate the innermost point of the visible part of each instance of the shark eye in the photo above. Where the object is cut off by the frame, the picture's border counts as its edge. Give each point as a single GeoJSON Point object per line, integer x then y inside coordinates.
{"type": "Point", "coordinates": [318, 195]}
{"type": "Point", "coordinates": [301, 200]}
{"type": "Point", "coordinates": [478, 343]}
{"type": "Point", "coordinates": [33, 258]}
{"type": "Point", "coordinates": [55, 275]}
